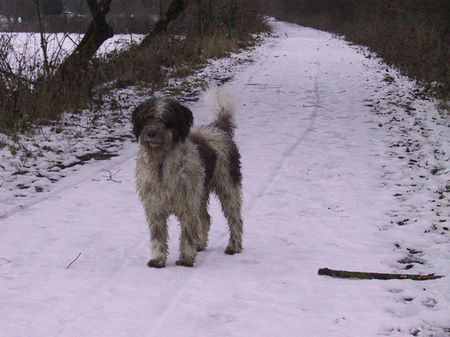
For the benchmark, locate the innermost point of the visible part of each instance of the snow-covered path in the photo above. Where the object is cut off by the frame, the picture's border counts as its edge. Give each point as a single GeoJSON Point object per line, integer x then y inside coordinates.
{"type": "Point", "coordinates": [322, 188]}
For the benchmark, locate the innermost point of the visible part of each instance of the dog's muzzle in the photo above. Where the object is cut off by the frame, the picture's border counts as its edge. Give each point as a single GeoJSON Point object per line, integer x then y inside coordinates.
{"type": "Point", "coordinates": [152, 138]}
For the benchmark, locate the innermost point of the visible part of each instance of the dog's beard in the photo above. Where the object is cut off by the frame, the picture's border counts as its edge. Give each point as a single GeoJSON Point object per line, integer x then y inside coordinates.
{"type": "Point", "coordinates": [157, 147]}
{"type": "Point", "coordinates": [154, 148]}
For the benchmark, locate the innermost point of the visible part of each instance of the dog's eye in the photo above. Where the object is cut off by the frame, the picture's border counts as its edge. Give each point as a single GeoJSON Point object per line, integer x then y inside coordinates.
{"type": "Point", "coordinates": [167, 123]}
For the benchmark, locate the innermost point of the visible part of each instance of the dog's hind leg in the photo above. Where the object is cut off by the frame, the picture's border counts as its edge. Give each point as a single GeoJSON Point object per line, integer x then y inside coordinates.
{"type": "Point", "coordinates": [230, 197]}
{"type": "Point", "coordinates": [158, 233]}
{"type": "Point", "coordinates": [205, 224]}
{"type": "Point", "coordinates": [189, 238]}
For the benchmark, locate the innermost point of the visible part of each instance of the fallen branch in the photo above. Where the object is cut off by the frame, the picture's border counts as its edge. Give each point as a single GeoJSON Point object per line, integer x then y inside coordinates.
{"type": "Point", "coordinates": [378, 276]}
{"type": "Point", "coordinates": [73, 261]}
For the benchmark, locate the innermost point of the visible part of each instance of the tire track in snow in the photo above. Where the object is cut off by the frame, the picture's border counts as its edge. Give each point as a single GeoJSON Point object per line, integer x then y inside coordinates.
{"type": "Point", "coordinates": [275, 171]}
{"type": "Point", "coordinates": [317, 104]}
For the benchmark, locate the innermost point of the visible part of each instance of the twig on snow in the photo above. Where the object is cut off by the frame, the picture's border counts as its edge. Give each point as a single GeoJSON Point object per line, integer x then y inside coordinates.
{"type": "Point", "coordinates": [315, 106]}
{"type": "Point", "coordinates": [73, 261]}
{"type": "Point", "coordinates": [111, 175]}
{"type": "Point", "coordinates": [378, 276]}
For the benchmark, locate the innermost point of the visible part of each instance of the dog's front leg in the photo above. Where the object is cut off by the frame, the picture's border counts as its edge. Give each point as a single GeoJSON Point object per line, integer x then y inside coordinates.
{"type": "Point", "coordinates": [158, 233]}
{"type": "Point", "coordinates": [189, 239]}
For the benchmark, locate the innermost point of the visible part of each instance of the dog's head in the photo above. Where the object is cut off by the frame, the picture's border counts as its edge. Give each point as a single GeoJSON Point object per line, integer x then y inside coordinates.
{"type": "Point", "coordinates": [158, 124]}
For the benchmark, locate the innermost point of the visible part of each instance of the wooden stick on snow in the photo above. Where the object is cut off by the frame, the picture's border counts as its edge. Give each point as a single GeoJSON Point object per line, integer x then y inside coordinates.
{"type": "Point", "coordinates": [378, 276]}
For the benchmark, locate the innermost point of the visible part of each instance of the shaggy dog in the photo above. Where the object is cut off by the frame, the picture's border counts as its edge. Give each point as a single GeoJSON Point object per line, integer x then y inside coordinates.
{"type": "Point", "coordinates": [177, 169]}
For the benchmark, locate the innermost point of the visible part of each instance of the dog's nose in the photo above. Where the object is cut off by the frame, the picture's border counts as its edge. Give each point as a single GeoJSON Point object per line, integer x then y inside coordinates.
{"type": "Point", "coordinates": [151, 134]}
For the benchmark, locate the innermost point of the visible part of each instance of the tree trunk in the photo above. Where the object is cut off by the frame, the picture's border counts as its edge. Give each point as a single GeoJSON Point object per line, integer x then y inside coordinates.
{"type": "Point", "coordinates": [378, 276]}
{"type": "Point", "coordinates": [43, 39]}
{"type": "Point", "coordinates": [176, 7]}
{"type": "Point", "coordinates": [74, 66]}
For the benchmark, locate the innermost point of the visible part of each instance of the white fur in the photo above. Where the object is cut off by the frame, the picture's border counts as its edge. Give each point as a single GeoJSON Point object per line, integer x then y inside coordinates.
{"type": "Point", "coordinates": [219, 101]}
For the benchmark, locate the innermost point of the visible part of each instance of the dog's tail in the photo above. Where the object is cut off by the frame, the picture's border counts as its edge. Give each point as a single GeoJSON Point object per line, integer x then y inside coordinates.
{"type": "Point", "coordinates": [223, 106]}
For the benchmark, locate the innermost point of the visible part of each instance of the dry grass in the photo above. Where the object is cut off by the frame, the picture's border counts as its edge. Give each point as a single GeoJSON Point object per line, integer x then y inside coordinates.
{"type": "Point", "coordinates": [28, 98]}
{"type": "Point", "coordinates": [167, 56]}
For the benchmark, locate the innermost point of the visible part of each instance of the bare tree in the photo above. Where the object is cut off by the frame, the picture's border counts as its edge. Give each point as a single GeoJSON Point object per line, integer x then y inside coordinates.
{"type": "Point", "coordinates": [43, 39]}
{"type": "Point", "coordinates": [98, 32]}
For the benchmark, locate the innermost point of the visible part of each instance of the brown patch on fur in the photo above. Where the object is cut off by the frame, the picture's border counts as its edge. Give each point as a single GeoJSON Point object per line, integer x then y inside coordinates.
{"type": "Point", "coordinates": [207, 155]}
{"type": "Point", "coordinates": [235, 164]}
{"type": "Point", "coordinates": [141, 115]}
{"type": "Point", "coordinates": [178, 118]}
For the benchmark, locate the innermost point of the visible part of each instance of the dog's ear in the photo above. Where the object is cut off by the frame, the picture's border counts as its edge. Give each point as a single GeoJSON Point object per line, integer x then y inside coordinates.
{"type": "Point", "coordinates": [141, 114]}
{"type": "Point", "coordinates": [178, 118]}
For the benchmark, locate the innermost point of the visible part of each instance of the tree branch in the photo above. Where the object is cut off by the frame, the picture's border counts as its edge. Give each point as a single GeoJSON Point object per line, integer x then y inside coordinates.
{"type": "Point", "coordinates": [378, 276]}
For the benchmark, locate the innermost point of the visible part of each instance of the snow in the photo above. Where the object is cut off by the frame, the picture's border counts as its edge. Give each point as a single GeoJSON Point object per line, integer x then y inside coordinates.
{"type": "Point", "coordinates": [342, 169]}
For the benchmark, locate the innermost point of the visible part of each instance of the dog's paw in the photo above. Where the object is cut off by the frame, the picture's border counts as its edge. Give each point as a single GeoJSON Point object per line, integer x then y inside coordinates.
{"type": "Point", "coordinates": [184, 263]}
{"type": "Point", "coordinates": [156, 264]}
{"type": "Point", "coordinates": [230, 250]}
